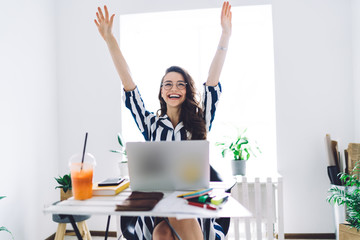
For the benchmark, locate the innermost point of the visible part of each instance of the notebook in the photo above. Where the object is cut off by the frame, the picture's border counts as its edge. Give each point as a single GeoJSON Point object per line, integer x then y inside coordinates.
{"type": "Point", "coordinates": [168, 165]}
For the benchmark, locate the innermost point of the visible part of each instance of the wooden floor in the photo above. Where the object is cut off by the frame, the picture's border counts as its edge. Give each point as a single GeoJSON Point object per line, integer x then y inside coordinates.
{"type": "Point", "coordinates": [112, 238]}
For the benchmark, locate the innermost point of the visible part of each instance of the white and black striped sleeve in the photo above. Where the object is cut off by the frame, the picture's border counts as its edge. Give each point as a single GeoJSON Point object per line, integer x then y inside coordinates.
{"type": "Point", "coordinates": [210, 101]}
{"type": "Point", "coordinates": [145, 120]}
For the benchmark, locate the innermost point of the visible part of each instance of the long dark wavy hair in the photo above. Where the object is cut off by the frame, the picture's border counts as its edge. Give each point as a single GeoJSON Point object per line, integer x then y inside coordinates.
{"type": "Point", "coordinates": [192, 114]}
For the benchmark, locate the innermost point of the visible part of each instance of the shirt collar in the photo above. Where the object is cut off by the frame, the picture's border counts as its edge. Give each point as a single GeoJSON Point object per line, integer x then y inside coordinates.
{"type": "Point", "coordinates": [166, 121]}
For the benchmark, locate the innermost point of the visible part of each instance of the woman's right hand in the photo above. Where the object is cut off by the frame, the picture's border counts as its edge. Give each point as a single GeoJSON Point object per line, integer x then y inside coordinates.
{"type": "Point", "coordinates": [104, 23]}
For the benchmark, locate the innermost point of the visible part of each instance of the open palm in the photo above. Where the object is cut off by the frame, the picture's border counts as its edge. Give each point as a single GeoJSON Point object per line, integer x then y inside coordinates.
{"type": "Point", "coordinates": [226, 16]}
{"type": "Point", "coordinates": [104, 23]}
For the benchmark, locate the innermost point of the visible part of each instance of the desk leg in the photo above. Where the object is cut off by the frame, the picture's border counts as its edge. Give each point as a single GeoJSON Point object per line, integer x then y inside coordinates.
{"type": "Point", "coordinates": [76, 229]}
{"type": "Point", "coordinates": [118, 227]}
{"type": "Point", "coordinates": [107, 227]}
{"type": "Point", "coordinates": [60, 233]}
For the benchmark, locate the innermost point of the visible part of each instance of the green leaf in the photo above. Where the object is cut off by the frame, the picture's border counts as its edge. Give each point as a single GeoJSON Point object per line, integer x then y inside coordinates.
{"type": "Point", "coordinates": [259, 150]}
{"type": "Point", "coordinates": [119, 140]}
{"type": "Point", "coordinates": [247, 154]}
{"type": "Point", "coordinates": [115, 151]}
{"type": "Point", "coordinates": [350, 197]}
{"type": "Point", "coordinates": [121, 143]}
{"type": "Point", "coordinates": [244, 131]}
{"type": "Point", "coordinates": [237, 146]}
{"type": "Point", "coordinates": [60, 181]}
{"type": "Point", "coordinates": [223, 153]}
{"type": "Point", "coordinates": [1, 197]}
{"type": "Point", "coordinates": [64, 182]}
{"type": "Point", "coordinates": [244, 142]}
{"type": "Point", "coordinates": [6, 230]}
{"type": "Point", "coordinates": [67, 179]}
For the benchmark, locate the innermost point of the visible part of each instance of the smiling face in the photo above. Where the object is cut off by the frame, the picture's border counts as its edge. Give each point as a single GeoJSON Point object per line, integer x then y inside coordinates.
{"type": "Point", "coordinates": [172, 95]}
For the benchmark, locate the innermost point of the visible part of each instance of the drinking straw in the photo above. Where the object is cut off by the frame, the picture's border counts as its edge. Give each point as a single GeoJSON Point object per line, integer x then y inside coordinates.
{"type": "Point", "coordinates": [83, 155]}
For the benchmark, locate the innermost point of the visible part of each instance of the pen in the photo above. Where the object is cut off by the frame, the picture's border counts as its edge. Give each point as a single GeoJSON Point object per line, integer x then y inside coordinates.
{"type": "Point", "coordinates": [202, 205]}
{"type": "Point", "coordinates": [195, 193]}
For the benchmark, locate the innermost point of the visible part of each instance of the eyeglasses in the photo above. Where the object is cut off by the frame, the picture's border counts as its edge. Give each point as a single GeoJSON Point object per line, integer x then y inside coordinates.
{"type": "Point", "coordinates": [169, 85]}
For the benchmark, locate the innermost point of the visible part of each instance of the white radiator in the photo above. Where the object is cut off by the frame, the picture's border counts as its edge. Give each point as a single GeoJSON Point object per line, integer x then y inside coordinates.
{"type": "Point", "coordinates": [264, 198]}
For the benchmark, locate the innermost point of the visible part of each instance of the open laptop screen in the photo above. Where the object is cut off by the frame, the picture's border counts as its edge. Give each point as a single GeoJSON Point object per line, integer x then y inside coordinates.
{"type": "Point", "coordinates": [168, 165]}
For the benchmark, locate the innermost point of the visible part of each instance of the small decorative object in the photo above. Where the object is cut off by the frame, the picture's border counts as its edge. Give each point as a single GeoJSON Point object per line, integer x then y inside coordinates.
{"type": "Point", "coordinates": [65, 186]}
{"type": "Point", "coordinates": [241, 149]}
{"type": "Point", "coordinates": [350, 197]}
{"type": "Point", "coordinates": [2, 228]}
{"type": "Point", "coordinates": [123, 166]}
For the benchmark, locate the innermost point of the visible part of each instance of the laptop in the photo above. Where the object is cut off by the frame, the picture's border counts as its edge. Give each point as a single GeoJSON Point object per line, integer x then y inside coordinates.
{"type": "Point", "coordinates": [168, 165]}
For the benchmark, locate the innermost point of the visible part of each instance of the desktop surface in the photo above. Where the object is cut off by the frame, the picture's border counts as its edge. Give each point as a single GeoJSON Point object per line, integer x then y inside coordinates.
{"type": "Point", "coordinates": [169, 206]}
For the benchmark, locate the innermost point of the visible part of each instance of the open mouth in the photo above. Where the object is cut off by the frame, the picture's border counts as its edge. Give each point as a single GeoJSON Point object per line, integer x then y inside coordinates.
{"type": "Point", "coordinates": [174, 96]}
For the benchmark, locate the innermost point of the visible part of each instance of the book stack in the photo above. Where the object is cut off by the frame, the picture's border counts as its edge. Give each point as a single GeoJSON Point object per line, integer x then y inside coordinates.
{"type": "Point", "coordinates": [110, 190]}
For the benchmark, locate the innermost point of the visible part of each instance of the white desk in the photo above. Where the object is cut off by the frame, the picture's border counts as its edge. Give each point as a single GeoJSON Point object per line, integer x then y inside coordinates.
{"type": "Point", "coordinates": [169, 206]}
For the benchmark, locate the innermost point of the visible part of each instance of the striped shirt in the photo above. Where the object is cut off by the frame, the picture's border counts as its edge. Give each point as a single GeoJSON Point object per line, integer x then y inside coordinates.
{"type": "Point", "coordinates": [155, 128]}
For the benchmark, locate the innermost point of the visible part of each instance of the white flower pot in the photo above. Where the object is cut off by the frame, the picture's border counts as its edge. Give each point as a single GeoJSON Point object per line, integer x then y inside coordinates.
{"type": "Point", "coordinates": [123, 167]}
{"type": "Point", "coordinates": [238, 167]}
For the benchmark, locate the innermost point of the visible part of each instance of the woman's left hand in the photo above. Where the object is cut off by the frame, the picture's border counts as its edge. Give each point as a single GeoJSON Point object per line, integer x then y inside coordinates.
{"type": "Point", "coordinates": [226, 16]}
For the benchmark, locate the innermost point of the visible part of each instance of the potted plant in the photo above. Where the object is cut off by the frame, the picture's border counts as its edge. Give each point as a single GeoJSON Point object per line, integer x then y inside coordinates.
{"type": "Point", "coordinates": [123, 166]}
{"type": "Point", "coordinates": [350, 197]}
{"type": "Point", "coordinates": [241, 149]}
{"type": "Point", "coordinates": [4, 228]}
{"type": "Point", "coordinates": [65, 186]}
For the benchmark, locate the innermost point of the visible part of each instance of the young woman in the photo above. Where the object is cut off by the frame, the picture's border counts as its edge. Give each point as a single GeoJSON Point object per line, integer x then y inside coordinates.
{"type": "Point", "coordinates": [181, 117]}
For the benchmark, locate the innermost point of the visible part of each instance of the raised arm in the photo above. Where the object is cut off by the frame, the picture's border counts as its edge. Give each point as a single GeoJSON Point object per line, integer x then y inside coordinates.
{"type": "Point", "coordinates": [219, 58]}
{"type": "Point", "coordinates": [104, 25]}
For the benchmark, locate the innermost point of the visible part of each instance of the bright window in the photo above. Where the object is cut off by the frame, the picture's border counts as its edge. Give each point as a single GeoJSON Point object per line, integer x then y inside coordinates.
{"type": "Point", "coordinates": [152, 42]}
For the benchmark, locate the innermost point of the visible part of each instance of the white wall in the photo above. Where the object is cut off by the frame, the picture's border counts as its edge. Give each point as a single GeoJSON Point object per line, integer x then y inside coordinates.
{"type": "Point", "coordinates": [355, 6]}
{"type": "Point", "coordinates": [314, 96]}
{"type": "Point", "coordinates": [28, 122]}
{"type": "Point", "coordinates": [89, 92]}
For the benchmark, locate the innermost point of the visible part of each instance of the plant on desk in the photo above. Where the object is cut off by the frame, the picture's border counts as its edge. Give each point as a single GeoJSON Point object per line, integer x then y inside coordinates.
{"type": "Point", "coordinates": [122, 149]}
{"type": "Point", "coordinates": [241, 148]}
{"type": "Point", "coordinates": [65, 186]}
{"type": "Point", "coordinates": [2, 228]}
{"type": "Point", "coordinates": [350, 196]}
{"type": "Point", "coordinates": [123, 162]}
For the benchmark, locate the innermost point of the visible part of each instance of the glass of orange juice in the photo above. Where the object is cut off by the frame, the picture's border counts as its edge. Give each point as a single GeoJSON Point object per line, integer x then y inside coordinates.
{"type": "Point", "coordinates": [82, 175]}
